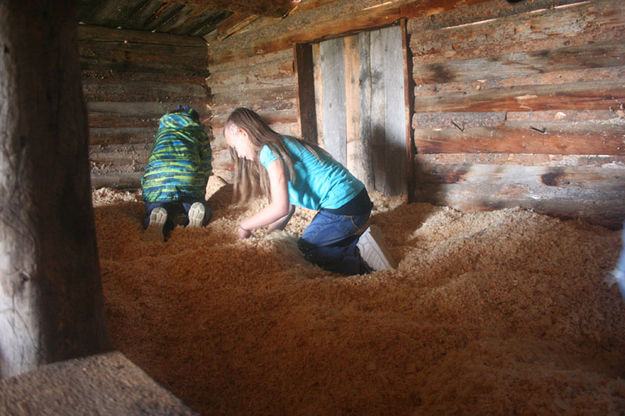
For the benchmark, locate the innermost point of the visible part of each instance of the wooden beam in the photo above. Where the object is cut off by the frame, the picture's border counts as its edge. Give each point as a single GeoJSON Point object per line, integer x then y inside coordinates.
{"type": "Point", "coordinates": [330, 20]}
{"type": "Point", "coordinates": [51, 303]}
{"type": "Point", "coordinates": [409, 108]}
{"type": "Point", "coordinates": [306, 92]}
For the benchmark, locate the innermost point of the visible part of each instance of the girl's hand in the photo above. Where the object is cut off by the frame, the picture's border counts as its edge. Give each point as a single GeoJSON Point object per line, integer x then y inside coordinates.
{"type": "Point", "coordinates": [243, 233]}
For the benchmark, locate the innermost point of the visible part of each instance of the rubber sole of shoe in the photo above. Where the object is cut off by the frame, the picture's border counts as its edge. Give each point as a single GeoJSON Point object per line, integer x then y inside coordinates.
{"type": "Point", "coordinates": [374, 251]}
{"type": "Point", "coordinates": [154, 231]}
{"type": "Point", "coordinates": [196, 214]}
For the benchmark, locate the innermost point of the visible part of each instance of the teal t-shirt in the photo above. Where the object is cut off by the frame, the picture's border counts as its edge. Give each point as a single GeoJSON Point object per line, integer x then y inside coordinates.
{"type": "Point", "coordinates": [318, 183]}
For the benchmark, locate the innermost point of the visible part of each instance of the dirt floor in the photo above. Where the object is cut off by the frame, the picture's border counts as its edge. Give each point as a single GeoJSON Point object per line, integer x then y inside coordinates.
{"type": "Point", "coordinates": [493, 313]}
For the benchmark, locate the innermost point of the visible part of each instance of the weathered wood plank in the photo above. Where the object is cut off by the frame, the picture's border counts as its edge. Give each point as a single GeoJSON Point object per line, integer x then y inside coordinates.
{"type": "Point", "coordinates": [395, 112]}
{"type": "Point", "coordinates": [119, 135]}
{"type": "Point", "coordinates": [408, 109]}
{"type": "Point", "coordinates": [356, 153]}
{"type": "Point", "coordinates": [594, 194]}
{"type": "Point", "coordinates": [104, 35]}
{"type": "Point", "coordinates": [278, 96]}
{"type": "Point", "coordinates": [271, 72]}
{"type": "Point", "coordinates": [571, 25]}
{"type": "Point", "coordinates": [481, 11]}
{"type": "Point", "coordinates": [523, 137]}
{"type": "Point", "coordinates": [329, 20]}
{"type": "Point", "coordinates": [334, 117]}
{"type": "Point", "coordinates": [183, 68]}
{"type": "Point", "coordinates": [552, 78]}
{"type": "Point", "coordinates": [136, 114]}
{"type": "Point", "coordinates": [117, 180]}
{"type": "Point", "coordinates": [524, 64]}
{"type": "Point", "coordinates": [365, 130]}
{"type": "Point", "coordinates": [102, 384]}
{"type": "Point", "coordinates": [306, 92]}
{"type": "Point", "coordinates": [377, 139]}
{"type": "Point", "coordinates": [461, 121]}
{"type": "Point", "coordinates": [318, 79]}
{"type": "Point", "coordinates": [274, 59]}
{"type": "Point", "coordinates": [154, 91]}
{"type": "Point", "coordinates": [600, 95]}
{"type": "Point", "coordinates": [556, 160]}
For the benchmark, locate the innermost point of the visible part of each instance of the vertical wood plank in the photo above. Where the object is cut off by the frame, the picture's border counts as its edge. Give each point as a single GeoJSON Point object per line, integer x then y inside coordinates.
{"type": "Point", "coordinates": [364, 79]}
{"type": "Point", "coordinates": [318, 80]}
{"type": "Point", "coordinates": [355, 150]}
{"type": "Point", "coordinates": [306, 92]}
{"type": "Point", "coordinates": [333, 73]}
{"type": "Point", "coordinates": [378, 110]}
{"type": "Point", "coordinates": [395, 113]}
{"type": "Point", "coordinates": [408, 103]}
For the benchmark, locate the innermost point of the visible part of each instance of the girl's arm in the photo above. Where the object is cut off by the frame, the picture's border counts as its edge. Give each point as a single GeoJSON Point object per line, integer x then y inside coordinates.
{"type": "Point", "coordinates": [279, 207]}
{"type": "Point", "coordinates": [282, 222]}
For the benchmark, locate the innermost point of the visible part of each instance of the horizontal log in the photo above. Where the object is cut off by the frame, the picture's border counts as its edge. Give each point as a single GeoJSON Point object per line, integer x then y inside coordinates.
{"type": "Point", "coordinates": [251, 82]}
{"type": "Point", "coordinates": [144, 112]}
{"type": "Point", "coordinates": [100, 34]}
{"type": "Point", "coordinates": [521, 65]}
{"type": "Point", "coordinates": [571, 25]}
{"type": "Point", "coordinates": [120, 135]}
{"type": "Point", "coordinates": [607, 137]}
{"type": "Point", "coordinates": [461, 120]}
{"type": "Point", "coordinates": [98, 74]}
{"type": "Point", "coordinates": [183, 68]}
{"type": "Point", "coordinates": [268, 60]}
{"type": "Point", "coordinates": [99, 120]}
{"type": "Point", "coordinates": [601, 95]}
{"type": "Point", "coordinates": [117, 181]}
{"type": "Point", "coordinates": [104, 90]}
{"type": "Point", "coordinates": [501, 159]}
{"type": "Point", "coordinates": [282, 93]}
{"type": "Point", "coordinates": [552, 78]}
{"type": "Point", "coordinates": [593, 194]}
{"type": "Point", "coordinates": [329, 20]}
{"type": "Point", "coordinates": [480, 12]}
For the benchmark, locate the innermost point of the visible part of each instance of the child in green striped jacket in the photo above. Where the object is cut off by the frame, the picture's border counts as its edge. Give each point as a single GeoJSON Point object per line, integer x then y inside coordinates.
{"type": "Point", "coordinates": [174, 183]}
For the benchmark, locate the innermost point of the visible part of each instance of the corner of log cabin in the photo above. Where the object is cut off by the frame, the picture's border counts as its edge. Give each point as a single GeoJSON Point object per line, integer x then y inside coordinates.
{"type": "Point", "coordinates": [508, 103]}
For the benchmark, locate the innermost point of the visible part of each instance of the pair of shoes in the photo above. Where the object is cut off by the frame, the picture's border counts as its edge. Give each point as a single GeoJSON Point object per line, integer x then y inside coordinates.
{"type": "Point", "coordinates": [196, 215]}
{"type": "Point", "coordinates": [373, 249]}
{"type": "Point", "coordinates": [155, 230]}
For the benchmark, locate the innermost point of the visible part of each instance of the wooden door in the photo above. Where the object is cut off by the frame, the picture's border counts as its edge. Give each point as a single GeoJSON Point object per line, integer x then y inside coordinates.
{"type": "Point", "coordinates": [361, 106]}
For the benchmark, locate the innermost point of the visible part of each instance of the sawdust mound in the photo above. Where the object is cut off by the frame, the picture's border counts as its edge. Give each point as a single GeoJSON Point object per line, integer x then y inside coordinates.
{"type": "Point", "coordinates": [502, 312]}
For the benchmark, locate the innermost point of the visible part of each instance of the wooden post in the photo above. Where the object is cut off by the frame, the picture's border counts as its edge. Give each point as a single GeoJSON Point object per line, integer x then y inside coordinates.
{"type": "Point", "coordinates": [306, 92]}
{"type": "Point", "coordinates": [51, 305]}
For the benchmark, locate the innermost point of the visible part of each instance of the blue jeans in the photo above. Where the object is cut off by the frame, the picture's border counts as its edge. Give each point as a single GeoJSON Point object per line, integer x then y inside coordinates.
{"type": "Point", "coordinates": [330, 240]}
{"type": "Point", "coordinates": [177, 212]}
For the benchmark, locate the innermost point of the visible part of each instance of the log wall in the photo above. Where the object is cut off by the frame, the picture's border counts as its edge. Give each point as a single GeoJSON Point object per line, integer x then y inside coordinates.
{"type": "Point", "coordinates": [515, 103]}
{"type": "Point", "coordinates": [522, 108]}
{"type": "Point", "coordinates": [266, 84]}
{"type": "Point", "coordinates": [130, 79]}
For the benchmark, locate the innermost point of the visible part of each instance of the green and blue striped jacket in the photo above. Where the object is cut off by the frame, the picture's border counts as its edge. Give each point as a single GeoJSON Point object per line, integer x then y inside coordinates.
{"type": "Point", "coordinates": [180, 162]}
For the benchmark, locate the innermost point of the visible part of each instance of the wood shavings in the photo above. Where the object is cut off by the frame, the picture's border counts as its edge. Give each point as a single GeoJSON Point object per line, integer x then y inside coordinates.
{"type": "Point", "coordinates": [501, 312]}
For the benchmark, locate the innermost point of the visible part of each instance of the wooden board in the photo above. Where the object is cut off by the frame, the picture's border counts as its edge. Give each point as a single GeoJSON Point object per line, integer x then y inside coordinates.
{"type": "Point", "coordinates": [363, 106]}
{"type": "Point", "coordinates": [105, 384]}
{"type": "Point", "coordinates": [333, 107]}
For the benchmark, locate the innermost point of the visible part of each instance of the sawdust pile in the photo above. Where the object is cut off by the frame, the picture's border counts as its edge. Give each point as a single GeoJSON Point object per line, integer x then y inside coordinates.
{"type": "Point", "coordinates": [502, 312]}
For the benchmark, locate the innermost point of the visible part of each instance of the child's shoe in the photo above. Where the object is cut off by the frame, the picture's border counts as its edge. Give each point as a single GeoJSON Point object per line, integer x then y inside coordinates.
{"type": "Point", "coordinates": [196, 214]}
{"type": "Point", "coordinates": [373, 249]}
{"type": "Point", "coordinates": [155, 230]}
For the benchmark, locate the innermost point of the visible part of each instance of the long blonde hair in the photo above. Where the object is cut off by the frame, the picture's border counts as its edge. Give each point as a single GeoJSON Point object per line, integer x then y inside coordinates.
{"type": "Point", "coordinates": [250, 177]}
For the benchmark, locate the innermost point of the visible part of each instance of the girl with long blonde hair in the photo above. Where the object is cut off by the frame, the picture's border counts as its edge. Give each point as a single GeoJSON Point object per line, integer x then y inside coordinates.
{"type": "Point", "coordinates": [292, 172]}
